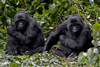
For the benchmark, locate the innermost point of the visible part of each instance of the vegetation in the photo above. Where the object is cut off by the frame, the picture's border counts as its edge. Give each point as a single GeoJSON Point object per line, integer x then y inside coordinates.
{"type": "Point", "coordinates": [49, 14]}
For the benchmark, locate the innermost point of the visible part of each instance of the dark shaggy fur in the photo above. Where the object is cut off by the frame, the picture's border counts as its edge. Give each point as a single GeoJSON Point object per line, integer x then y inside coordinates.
{"type": "Point", "coordinates": [24, 35]}
{"type": "Point", "coordinates": [74, 37]}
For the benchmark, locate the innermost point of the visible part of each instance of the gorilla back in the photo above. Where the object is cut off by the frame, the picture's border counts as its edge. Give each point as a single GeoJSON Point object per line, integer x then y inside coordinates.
{"type": "Point", "coordinates": [24, 35]}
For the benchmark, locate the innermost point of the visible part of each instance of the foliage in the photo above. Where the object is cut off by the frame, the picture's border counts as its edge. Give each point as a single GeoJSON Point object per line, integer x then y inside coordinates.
{"type": "Point", "coordinates": [44, 59]}
{"type": "Point", "coordinates": [91, 58]}
{"type": "Point", "coordinates": [49, 14]}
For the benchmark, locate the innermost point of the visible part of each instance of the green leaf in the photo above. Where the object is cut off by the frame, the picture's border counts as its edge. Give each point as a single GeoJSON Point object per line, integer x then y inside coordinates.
{"type": "Point", "coordinates": [3, 30]}
{"type": "Point", "coordinates": [15, 65]}
{"type": "Point", "coordinates": [90, 54]}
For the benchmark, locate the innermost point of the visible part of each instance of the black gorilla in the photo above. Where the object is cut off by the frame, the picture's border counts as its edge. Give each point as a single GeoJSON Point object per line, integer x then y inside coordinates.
{"type": "Point", "coordinates": [24, 35]}
{"type": "Point", "coordinates": [74, 37]}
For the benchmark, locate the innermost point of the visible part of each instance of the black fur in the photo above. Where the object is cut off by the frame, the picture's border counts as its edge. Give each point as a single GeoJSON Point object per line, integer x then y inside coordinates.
{"type": "Point", "coordinates": [28, 39]}
{"type": "Point", "coordinates": [74, 37]}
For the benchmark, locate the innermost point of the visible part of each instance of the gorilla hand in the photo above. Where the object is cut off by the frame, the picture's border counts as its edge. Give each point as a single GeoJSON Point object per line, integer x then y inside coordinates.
{"type": "Point", "coordinates": [11, 31]}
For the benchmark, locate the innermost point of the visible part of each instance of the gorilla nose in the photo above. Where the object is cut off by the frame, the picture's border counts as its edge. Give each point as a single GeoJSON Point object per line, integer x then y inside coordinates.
{"type": "Point", "coordinates": [20, 25]}
{"type": "Point", "coordinates": [74, 30]}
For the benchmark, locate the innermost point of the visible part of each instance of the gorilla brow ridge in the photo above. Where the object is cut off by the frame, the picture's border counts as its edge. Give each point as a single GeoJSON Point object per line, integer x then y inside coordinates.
{"type": "Point", "coordinates": [22, 16]}
{"type": "Point", "coordinates": [77, 16]}
{"type": "Point", "coordinates": [73, 20]}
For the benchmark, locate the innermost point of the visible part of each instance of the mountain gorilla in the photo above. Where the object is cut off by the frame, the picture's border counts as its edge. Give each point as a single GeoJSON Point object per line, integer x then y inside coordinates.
{"type": "Point", "coordinates": [24, 35]}
{"type": "Point", "coordinates": [74, 37]}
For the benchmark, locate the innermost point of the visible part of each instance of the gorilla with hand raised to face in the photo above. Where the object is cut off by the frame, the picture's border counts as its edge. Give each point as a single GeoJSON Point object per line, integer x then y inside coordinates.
{"type": "Point", "coordinates": [24, 35]}
{"type": "Point", "coordinates": [74, 36]}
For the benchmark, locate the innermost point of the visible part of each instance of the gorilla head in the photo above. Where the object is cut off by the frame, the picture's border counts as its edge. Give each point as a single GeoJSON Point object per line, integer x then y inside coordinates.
{"type": "Point", "coordinates": [75, 24]}
{"type": "Point", "coordinates": [21, 21]}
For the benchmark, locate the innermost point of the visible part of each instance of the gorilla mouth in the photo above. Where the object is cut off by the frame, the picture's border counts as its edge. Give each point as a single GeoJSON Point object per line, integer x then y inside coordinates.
{"type": "Point", "coordinates": [74, 30]}
{"type": "Point", "coordinates": [20, 27]}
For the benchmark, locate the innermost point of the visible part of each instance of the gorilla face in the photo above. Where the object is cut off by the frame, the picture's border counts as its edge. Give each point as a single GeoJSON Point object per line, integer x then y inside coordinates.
{"type": "Point", "coordinates": [21, 22]}
{"type": "Point", "coordinates": [21, 25]}
{"type": "Point", "coordinates": [75, 26]}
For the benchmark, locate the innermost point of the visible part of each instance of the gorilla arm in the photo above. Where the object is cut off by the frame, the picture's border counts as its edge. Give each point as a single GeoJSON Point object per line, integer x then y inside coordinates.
{"type": "Point", "coordinates": [11, 30]}
{"type": "Point", "coordinates": [76, 44]}
{"type": "Point", "coordinates": [73, 44]}
{"type": "Point", "coordinates": [31, 34]}
{"type": "Point", "coordinates": [54, 36]}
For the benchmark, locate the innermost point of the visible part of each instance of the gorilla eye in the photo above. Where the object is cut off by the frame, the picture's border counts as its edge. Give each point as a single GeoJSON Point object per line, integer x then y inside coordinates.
{"type": "Point", "coordinates": [20, 17]}
{"type": "Point", "coordinates": [21, 20]}
{"type": "Point", "coordinates": [73, 20]}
